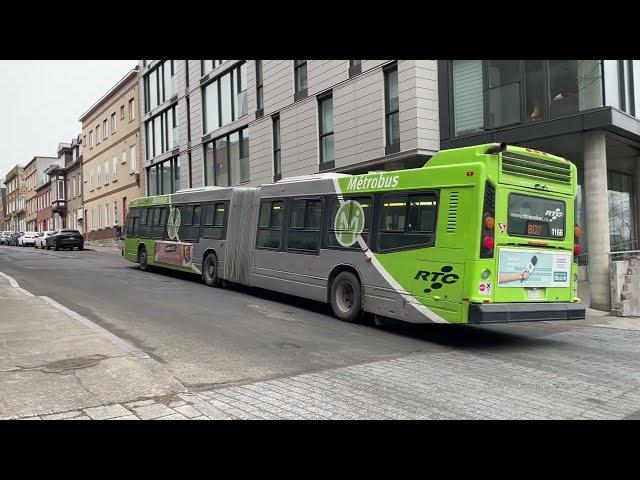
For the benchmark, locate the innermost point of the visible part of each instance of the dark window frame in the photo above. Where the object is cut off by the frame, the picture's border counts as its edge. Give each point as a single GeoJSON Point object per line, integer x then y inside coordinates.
{"type": "Point", "coordinates": [299, 93]}
{"type": "Point", "coordinates": [355, 67]}
{"type": "Point", "coordinates": [275, 119]}
{"type": "Point", "coordinates": [282, 229]}
{"type": "Point", "coordinates": [235, 82]}
{"type": "Point", "coordinates": [322, 134]}
{"type": "Point", "coordinates": [206, 226]}
{"type": "Point", "coordinates": [390, 147]}
{"type": "Point", "coordinates": [241, 147]}
{"type": "Point", "coordinates": [409, 194]}
{"type": "Point", "coordinates": [304, 228]}
{"type": "Point", "coordinates": [259, 89]}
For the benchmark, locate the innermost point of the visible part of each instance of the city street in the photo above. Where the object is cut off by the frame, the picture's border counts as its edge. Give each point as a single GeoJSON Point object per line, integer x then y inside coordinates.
{"type": "Point", "coordinates": [190, 351]}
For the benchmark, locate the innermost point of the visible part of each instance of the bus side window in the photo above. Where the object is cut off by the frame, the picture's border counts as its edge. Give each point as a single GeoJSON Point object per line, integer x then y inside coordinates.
{"type": "Point", "coordinates": [304, 228]}
{"type": "Point", "coordinates": [407, 221]}
{"type": "Point", "coordinates": [270, 224]}
{"type": "Point", "coordinates": [190, 223]}
{"type": "Point", "coordinates": [213, 220]}
{"type": "Point", "coordinates": [159, 222]}
{"type": "Point", "coordinates": [142, 224]}
{"type": "Point", "coordinates": [344, 222]}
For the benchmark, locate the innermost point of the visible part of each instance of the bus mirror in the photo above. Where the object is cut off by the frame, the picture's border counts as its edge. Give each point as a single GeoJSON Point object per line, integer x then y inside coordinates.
{"type": "Point", "coordinates": [501, 147]}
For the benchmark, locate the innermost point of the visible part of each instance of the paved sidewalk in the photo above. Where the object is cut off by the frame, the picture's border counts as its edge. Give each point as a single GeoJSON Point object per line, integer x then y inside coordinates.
{"type": "Point", "coordinates": [52, 360]}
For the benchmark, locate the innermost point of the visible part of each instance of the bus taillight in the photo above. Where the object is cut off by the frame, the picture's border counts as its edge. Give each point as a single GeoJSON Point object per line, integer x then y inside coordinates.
{"type": "Point", "coordinates": [488, 222]}
{"type": "Point", "coordinates": [487, 244]}
{"type": "Point", "coordinates": [577, 249]}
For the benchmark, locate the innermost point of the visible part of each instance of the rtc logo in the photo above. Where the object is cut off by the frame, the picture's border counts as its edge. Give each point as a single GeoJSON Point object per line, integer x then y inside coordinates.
{"type": "Point", "coordinates": [554, 214]}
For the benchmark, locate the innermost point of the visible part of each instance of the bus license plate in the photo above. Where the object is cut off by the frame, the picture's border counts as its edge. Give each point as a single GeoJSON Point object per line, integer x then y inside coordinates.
{"type": "Point", "coordinates": [533, 293]}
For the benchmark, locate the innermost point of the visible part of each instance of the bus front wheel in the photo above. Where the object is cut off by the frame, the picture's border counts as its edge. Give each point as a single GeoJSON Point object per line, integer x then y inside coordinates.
{"type": "Point", "coordinates": [210, 270]}
{"type": "Point", "coordinates": [142, 259]}
{"type": "Point", "coordinates": [346, 297]}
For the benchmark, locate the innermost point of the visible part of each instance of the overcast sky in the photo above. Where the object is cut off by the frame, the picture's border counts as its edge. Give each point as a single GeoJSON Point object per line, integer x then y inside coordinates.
{"type": "Point", "coordinates": [42, 100]}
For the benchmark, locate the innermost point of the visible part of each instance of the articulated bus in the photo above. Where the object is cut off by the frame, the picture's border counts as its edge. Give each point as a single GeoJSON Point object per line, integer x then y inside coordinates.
{"type": "Point", "coordinates": [481, 234]}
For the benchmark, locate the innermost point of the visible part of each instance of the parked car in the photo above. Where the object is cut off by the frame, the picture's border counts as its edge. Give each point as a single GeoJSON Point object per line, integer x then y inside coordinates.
{"type": "Point", "coordinates": [12, 239]}
{"type": "Point", "coordinates": [41, 240]}
{"type": "Point", "coordinates": [4, 237]}
{"type": "Point", "coordinates": [65, 239]}
{"type": "Point", "coordinates": [27, 239]}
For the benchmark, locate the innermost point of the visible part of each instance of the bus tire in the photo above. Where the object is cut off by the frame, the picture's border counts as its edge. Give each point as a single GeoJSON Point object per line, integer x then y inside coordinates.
{"type": "Point", "coordinates": [346, 297]}
{"type": "Point", "coordinates": [210, 270]}
{"type": "Point", "coordinates": [142, 259]}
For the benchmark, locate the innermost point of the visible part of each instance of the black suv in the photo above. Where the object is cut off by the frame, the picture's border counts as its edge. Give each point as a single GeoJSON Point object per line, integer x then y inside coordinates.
{"type": "Point", "coordinates": [65, 239]}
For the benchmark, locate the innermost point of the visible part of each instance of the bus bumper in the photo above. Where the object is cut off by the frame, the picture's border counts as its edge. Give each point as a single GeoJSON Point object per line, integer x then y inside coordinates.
{"type": "Point", "coordinates": [524, 312]}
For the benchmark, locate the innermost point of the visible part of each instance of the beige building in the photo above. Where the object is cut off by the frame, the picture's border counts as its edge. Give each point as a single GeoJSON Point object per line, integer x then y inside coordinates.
{"type": "Point", "coordinates": [110, 160]}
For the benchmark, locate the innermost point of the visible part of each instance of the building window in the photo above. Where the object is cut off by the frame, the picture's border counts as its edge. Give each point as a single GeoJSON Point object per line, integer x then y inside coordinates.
{"type": "Point", "coordinates": [225, 155]}
{"type": "Point", "coordinates": [503, 93]}
{"type": "Point", "coordinates": [621, 211]}
{"type": "Point", "coordinates": [259, 88]}
{"type": "Point", "coordinates": [106, 172]}
{"type": "Point", "coordinates": [209, 65]}
{"type": "Point", "coordinates": [325, 111]}
{"type": "Point", "coordinates": [161, 133]}
{"type": "Point", "coordinates": [392, 107]}
{"type": "Point", "coordinates": [225, 99]}
{"type": "Point", "coordinates": [114, 169]}
{"type": "Point", "coordinates": [105, 129]}
{"type": "Point", "coordinates": [355, 67]}
{"type": "Point", "coordinates": [300, 79]}
{"type": "Point", "coordinates": [114, 126]}
{"type": "Point", "coordinates": [277, 159]}
{"type": "Point", "coordinates": [164, 178]}
{"type": "Point", "coordinates": [159, 86]}
{"type": "Point", "coordinates": [133, 166]}
{"type": "Point", "coordinates": [132, 111]}
{"type": "Point", "coordinates": [122, 112]}
{"type": "Point", "coordinates": [97, 134]}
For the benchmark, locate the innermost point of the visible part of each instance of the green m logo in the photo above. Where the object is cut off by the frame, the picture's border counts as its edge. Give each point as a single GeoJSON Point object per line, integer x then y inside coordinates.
{"type": "Point", "coordinates": [349, 223]}
{"type": "Point", "coordinates": [173, 224]}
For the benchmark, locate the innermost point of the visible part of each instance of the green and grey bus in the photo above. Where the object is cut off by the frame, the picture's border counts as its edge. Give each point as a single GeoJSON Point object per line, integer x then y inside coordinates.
{"type": "Point", "coordinates": [479, 234]}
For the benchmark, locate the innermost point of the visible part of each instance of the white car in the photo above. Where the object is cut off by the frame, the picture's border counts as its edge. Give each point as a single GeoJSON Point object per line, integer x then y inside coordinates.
{"type": "Point", "coordinates": [27, 239]}
{"type": "Point", "coordinates": [41, 240]}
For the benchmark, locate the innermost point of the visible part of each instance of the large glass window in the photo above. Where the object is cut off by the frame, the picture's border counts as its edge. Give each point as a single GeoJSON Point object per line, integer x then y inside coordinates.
{"type": "Point", "coordinates": [164, 178]}
{"type": "Point", "coordinates": [161, 133]}
{"type": "Point", "coordinates": [270, 224]}
{"type": "Point", "coordinates": [535, 91]}
{"type": "Point", "coordinates": [213, 220]}
{"type": "Point", "coordinates": [392, 106]}
{"type": "Point", "coordinates": [407, 221]}
{"type": "Point", "coordinates": [503, 92]}
{"type": "Point", "coordinates": [326, 131]}
{"type": "Point", "coordinates": [225, 98]}
{"type": "Point", "coordinates": [226, 158]}
{"type": "Point", "coordinates": [159, 85]}
{"type": "Point", "coordinates": [621, 212]}
{"type": "Point", "coordinates": [468, 99]}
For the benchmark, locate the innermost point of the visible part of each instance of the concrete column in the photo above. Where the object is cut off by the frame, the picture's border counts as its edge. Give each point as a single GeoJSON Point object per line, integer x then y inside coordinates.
{"type": "Point", "coordinates": [636, 189]}
{"type": "Point", "coordinates": [597, 206]}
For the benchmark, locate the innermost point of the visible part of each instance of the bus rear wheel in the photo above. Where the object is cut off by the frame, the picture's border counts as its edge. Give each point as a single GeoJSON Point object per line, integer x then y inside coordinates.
{"type": "Point", "coordinates": [210, 270]}
{"type": "Point", "coordinates": [142, 259]}
{"type": "Point", "coordinates": [346, 297]}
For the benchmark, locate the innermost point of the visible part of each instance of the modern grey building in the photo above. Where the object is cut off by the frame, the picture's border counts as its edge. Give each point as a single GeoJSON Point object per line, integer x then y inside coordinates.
{"type": "Point", "coordinates": [235, 122]}
{"type": "Point", "coordinates": [585, 110]}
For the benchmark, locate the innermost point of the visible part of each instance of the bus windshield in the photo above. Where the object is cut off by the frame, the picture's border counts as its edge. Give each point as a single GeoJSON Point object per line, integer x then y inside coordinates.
{"type": "Point", "coordinates": [531, 216]}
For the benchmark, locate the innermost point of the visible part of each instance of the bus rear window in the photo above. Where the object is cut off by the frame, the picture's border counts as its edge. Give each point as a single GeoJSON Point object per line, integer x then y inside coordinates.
{"type": "Point", "coordinates": [536, 217]}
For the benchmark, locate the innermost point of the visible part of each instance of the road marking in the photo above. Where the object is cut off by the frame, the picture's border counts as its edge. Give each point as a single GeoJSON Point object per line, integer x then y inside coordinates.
{"type": "Point", "coordinates": [15, 285]}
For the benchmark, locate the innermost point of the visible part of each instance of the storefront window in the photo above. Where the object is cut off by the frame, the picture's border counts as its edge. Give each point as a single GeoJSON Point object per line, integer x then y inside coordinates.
{"type": "Point", "coordinates": [621, 212]}
{"type": "Point", "coordinates": [535, 92]}
{"type": "Point", "coordinates": [468, 100]}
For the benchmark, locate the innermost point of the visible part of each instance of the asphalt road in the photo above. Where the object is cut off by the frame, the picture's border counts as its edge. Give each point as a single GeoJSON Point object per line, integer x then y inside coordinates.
{"type": "Point", "coordinates": [209, 338]}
